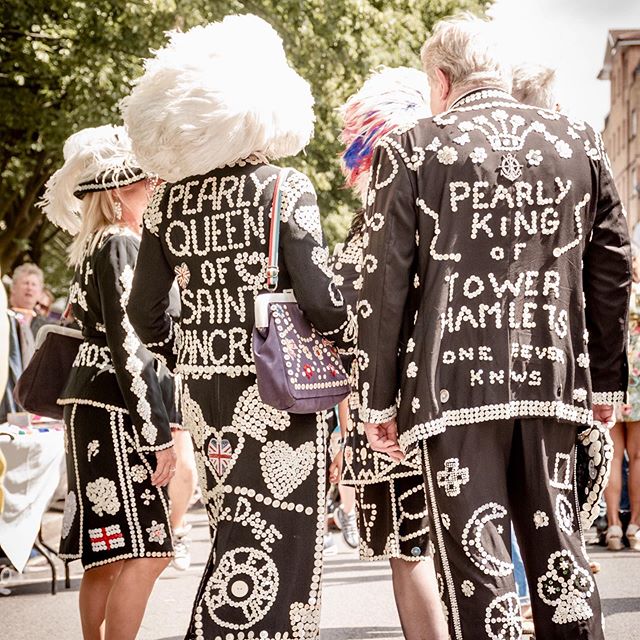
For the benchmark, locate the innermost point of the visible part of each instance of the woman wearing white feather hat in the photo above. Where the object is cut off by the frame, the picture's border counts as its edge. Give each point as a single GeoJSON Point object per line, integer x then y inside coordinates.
{"type": "Point", "coordinates": [118, 443]}
{"type": "Point", "coordinates": [212, 109]}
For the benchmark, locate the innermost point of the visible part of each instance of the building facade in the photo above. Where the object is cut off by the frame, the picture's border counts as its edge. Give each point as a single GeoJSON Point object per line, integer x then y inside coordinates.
{"type": "Point", "coordinates": [621, 135]}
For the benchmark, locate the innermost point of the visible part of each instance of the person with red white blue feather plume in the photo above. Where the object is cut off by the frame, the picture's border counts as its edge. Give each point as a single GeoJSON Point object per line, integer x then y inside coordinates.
{"type": "Point", "coordinates": [390, 495]}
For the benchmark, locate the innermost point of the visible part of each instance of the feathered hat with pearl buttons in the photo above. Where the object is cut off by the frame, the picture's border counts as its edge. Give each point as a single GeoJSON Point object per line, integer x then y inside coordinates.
{"type": "Point", "coordinates": [95, 159]}
{"type": "Point", "coordinates": [215, 95]}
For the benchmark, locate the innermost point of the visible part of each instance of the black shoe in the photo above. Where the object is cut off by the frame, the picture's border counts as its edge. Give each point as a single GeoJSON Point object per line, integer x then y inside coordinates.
{"type": "Point", "coordinates": [601, 528]}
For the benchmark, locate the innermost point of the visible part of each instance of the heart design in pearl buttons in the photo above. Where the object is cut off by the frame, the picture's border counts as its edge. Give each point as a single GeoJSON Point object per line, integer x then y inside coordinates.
{"type": "Point", "coordinates": [284, 468]}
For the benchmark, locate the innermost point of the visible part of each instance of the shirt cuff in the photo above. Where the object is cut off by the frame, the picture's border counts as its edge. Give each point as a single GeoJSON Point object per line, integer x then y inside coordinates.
{"type": "Point", "coordinates": [377, 417]}
{"type": "Point", "coordinates": [157, 447]}
{"type": "Point", "coordinates": [608, 397]}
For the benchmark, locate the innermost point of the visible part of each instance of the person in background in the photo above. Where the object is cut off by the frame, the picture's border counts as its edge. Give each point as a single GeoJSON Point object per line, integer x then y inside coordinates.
{"type": "Point", "coordinates": [27, 285]}
{"type": "Point", "coordinates": [262, 471]}
{"type": "Point", "coordinates": [342, 513]}
{"type": "Point", "coordinates": [4, 373]}
{"type": "Point", "coordinates": [4, 339]}
{"type": "Point", "coordinates": [45, 303]}
{"type": "Point", "coordinates": [181, 489]}
{"type": "Point", "coordinates": [25, 288]}
{"type": "Point", "coordinates": [626, 435]}
{"type": "Point", "coordinates": [534, 84]}
{"type": "Point", "coordinates": [44, 311]}
{"type": "Point", "coordinates": [391, 498]}
{"type": "Point", "coordinates": [507, 338]}
{"type": "Point", "coordinates": [120, 454]}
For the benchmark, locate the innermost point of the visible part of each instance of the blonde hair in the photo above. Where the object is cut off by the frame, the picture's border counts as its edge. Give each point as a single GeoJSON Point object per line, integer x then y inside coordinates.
{"type": "Point", "coordinates": [25, 270]}
{"type": "Point", "coordinates": [98, 214]}
{"type": "Point", "coordinates": [533, 84]}
{"type": "Point", "coordinates": [465, 49]}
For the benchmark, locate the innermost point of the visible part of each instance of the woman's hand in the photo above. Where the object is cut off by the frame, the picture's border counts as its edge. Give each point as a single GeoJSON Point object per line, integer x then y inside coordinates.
{"type": "Point", "coordinates": [335, 470]}
{"type": "Point", "coordinates": [165, 468]}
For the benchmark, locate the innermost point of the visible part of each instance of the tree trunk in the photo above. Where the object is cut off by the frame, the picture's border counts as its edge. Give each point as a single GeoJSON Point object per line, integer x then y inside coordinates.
{"type": "Point", "coordinates": [22, 218]}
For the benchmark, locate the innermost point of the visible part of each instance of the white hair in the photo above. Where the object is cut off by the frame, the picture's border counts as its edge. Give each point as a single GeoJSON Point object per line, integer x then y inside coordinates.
{"type": "Point", "coordinates": [465, 48]}
{"type": "Point", "coordinates": [88, 154]}
{"type": "Point", "coordinates": [215, 95]}
{"type": "Point", "coordinates": [25, 270]}
{"type": "Point", "coordinates": [533, 84]}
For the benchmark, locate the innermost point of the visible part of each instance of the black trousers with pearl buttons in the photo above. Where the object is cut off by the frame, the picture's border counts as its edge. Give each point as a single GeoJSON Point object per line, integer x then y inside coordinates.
{"type": "Point", "coordinates": [262, 475]}
{"type": "Point", "coordinates": [483, 478]}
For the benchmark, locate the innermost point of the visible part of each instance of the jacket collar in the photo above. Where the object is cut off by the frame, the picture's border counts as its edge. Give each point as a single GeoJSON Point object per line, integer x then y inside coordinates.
{"type": "Point", "coordinates": [480, 94]}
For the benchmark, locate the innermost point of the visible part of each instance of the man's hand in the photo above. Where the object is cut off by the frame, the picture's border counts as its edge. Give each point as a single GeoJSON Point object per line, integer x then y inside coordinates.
{"type": "Point", "coordinates": [383, 438]}
{"type": "Point", "coordinates": [604, 413]}
{"type": "Point", "coordinates": [165, 467]}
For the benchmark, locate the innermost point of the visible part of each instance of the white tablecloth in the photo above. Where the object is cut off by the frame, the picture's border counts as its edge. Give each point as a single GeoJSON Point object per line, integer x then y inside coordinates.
{"type": "Point", "coordinates": [34, 467]}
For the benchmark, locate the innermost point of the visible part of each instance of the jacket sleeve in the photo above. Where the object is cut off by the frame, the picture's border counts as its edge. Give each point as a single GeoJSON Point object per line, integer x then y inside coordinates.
{"type": "Point", "coordinates": [306, 258]}
{"type": "Point", "coordinates": [389, 251]}
{"type": "Point", "coordinates": [133, 364]}
{"type": "Point", "coordinates": [607, 284]}
{"type": "Point", "coordinates": [152, 282]}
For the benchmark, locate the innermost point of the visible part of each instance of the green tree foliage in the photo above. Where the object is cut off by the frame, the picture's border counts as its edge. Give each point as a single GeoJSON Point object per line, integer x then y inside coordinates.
{"type": "Point", "coordinates": [64, 65]}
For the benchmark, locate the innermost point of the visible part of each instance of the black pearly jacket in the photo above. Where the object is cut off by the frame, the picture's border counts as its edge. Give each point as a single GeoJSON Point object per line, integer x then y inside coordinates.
{"type": "Point", "coordinates": [210, 233]}
{"type": "Point", "coordinates": [113, 370]}
{"type": "Point", "coordinates": [496, 272]}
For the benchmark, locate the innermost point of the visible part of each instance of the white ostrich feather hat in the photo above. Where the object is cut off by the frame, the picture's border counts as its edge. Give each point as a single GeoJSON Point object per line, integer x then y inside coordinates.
{"type": "Point", "coordinates": [95, 159]}
{"type": "Point", "coordinates": [215, 95]}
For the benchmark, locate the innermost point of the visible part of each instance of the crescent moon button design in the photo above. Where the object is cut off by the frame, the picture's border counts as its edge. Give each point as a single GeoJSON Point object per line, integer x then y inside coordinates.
{"type": "Point", "coordinates": [474, 545]}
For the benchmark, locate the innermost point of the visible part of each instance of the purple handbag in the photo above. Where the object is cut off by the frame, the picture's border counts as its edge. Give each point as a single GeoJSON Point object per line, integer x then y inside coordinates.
{"type": "Point", "coordinates": [298, 370]}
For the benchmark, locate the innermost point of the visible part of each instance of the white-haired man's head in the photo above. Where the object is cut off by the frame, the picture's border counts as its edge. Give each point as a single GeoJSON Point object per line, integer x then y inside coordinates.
{"type": "Point", "coordinates": [26, 286]}
{"type": "Point", "coordinates": [461, 55]}
{"type": "Point", "coordinates": [534, 84]}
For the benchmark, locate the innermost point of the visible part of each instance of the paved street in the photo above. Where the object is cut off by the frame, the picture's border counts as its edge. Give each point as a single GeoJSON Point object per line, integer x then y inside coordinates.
{"type": "Point", "coordinates": [357, 599]}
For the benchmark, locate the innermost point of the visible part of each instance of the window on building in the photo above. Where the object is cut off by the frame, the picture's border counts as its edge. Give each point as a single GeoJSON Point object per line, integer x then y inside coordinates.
{"type": "Point", "coordinates": [633, 130]}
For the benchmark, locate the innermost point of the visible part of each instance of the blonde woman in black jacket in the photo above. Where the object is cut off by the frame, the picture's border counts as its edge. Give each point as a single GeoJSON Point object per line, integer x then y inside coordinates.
{"type": "Point", "coordinates": [119, 449]}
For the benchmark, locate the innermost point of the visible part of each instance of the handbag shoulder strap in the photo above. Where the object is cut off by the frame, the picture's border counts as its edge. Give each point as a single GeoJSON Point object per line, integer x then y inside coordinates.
{"type": "Point", "coordinates": [274, 233]}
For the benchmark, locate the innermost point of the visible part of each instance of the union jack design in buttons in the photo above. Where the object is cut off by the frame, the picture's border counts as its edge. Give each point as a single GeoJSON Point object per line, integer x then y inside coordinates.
{"type": "Point", "coordinates": [220, 453]}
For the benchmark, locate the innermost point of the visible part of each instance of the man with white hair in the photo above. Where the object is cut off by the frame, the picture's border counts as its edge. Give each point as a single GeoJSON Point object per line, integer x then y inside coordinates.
{"type": "Point", "coordinates": [491, 330]}
{"type": "Point", "coordinates": [533, 84]}
{"type": "Point", "coordinates": [27, 285]}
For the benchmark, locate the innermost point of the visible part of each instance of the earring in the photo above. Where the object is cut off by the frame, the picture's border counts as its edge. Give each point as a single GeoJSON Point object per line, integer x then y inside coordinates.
{"type": "Point", "coordinates": [117, 207]}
